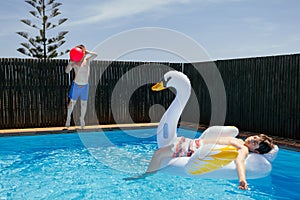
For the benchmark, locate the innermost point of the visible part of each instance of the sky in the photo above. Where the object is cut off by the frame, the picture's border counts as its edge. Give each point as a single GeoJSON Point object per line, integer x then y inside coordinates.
{"type": "Point", "coordinates": [225, 29]}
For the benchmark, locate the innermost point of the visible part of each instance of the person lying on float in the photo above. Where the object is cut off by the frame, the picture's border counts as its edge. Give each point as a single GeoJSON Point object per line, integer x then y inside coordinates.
{"type": "Point", "coordinates": [172, 146]}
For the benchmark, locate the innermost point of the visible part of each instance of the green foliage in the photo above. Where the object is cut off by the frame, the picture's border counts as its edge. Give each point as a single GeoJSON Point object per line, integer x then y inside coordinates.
{"type": "Point", "coordinates": [43, 46]}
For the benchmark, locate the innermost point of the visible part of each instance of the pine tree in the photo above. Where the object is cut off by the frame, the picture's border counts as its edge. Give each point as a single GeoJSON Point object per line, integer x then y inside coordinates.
{"type": "Point", "coordinates": [43, 46]}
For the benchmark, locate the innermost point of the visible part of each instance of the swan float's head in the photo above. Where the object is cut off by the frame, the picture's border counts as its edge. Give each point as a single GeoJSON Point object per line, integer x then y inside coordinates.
{"type": "Point", "coordinates": [177, 80]}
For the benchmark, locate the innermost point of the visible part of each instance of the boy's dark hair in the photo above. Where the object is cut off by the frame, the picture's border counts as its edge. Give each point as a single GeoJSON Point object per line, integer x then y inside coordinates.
{"type": "Point", "coordinates": [81, 46]}
{"type": "Point", "coordinates": [266, 144]}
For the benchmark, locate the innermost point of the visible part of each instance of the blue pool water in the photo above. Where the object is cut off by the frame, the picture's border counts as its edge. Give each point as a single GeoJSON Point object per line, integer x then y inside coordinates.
{"type": "Point", "coordinates": [60, 166]}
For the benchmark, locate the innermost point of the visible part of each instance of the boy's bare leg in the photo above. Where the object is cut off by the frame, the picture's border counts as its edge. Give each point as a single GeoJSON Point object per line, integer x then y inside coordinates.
{"type": "Point", "coordinates": [70, 110]}
{"type": "Point", "coordinates": [83, 111]}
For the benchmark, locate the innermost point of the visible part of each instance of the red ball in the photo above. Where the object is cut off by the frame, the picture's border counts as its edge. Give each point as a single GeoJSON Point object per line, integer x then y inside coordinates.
{"type": "Point", "coordinates": [76, 54]}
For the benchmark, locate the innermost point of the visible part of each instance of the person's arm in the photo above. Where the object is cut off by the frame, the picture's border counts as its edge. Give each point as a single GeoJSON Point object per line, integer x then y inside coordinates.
{"type": "Point", "coordinates": [241, 167]}
{"type": "Point", "coordinates": [224, 141]}
{"type": "Point", "coordinates": [92, 55]}
{"type": "Point", "coordinates": [240, 160]}
{"type": "Point", "coordinates": [69, 67]}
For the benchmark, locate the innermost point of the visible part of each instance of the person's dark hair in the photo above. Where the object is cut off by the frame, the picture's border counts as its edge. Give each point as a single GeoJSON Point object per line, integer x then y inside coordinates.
{"type": "Point", "coordinates": [81, 46]}
{"type": "Point", "coordinates": [266, 144]}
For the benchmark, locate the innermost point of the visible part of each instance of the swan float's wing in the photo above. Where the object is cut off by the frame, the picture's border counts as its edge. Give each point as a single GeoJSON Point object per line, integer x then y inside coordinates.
{"type": "Point", "coordinates": [209, 158]}
{"type": "Point", "coordinates": [219, 131]}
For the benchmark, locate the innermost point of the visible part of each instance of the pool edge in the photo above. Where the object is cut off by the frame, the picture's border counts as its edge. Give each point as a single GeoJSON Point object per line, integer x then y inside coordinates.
{"type": "Point", "coordinates": [285, 143]}
{"type": "Point", "coordinates": [71, 129]}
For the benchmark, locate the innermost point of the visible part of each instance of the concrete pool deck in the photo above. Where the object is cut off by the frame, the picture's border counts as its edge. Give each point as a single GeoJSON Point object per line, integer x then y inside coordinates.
{"type": "Point", "coordinates": [281, 142]}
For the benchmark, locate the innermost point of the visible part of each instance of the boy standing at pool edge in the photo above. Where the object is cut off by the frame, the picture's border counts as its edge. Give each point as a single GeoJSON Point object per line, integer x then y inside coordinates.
{"type": "Point", "coordinates": [80, 85]}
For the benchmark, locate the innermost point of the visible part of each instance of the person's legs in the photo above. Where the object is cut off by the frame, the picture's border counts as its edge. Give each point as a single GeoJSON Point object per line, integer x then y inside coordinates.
{"type": "Point", "coordinates": [84, 93]}
{"type": "Point", "coordinates": [155, 163]}
{"type": "Point", "coordinates": [83, 111]}
{"type": "Point", "coordinates": [158, 156]}
{"type": "Point", "coordinates": [73, 95]}
{"type": "Point", "coordinates": [70, 110]}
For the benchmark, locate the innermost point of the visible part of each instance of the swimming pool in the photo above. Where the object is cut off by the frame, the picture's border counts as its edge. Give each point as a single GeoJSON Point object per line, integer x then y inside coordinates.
{"type": "Point", "coordinates": [59, 166]}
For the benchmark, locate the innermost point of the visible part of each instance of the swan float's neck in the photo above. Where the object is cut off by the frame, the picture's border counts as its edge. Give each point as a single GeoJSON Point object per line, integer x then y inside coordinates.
{"type": "Point", "coordinates": [177, 106]}
{"type": "Point", "coordinates": [167, 129]}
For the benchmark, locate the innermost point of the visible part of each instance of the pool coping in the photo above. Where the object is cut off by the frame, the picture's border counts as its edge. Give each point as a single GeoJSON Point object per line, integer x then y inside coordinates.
{"type": "Point", "coordinates": [71, 129]}
{"type": "Point", "coordinates": [285, 143]}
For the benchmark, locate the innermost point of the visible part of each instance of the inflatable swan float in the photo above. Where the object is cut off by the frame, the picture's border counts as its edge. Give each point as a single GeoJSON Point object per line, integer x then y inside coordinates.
{"type": "Point", "coordinates": [209, 161]}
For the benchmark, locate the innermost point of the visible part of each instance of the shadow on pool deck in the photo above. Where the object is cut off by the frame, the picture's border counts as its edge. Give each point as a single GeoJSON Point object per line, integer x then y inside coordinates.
{"type": "Point", "coordinates": [281, 142]}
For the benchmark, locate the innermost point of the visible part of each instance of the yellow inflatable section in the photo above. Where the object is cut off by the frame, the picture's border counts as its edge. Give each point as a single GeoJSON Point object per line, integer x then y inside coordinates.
{"type": "Point", "coordinates": [214, 159]}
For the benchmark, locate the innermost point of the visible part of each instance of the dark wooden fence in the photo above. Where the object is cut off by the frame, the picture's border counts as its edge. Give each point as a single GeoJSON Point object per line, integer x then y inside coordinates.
{"type": "Point", "coordinates": [262, 94]}
{"type": "Point", "coordinates": [268, 94]}
{"type": "Point", "coordinates": [34, 93]}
